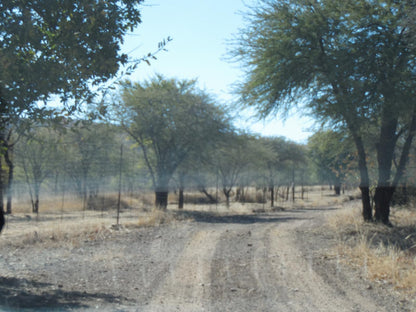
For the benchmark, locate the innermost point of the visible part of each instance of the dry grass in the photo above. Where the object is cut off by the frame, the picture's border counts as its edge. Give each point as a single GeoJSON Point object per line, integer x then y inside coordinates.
{"type": "Point", "coordinates": [385, 255]}
{"type": "Point", "coordinates": [64, 220]}
{"type": "Point", "coordinates": [72, 229]}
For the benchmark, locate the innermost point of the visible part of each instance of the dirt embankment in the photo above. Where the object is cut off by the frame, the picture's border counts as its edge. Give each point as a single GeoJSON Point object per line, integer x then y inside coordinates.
{"type": "Point", "coordinates": [280, 261]}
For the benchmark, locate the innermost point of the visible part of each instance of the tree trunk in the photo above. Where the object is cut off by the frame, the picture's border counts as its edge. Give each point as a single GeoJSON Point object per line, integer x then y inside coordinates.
{"type": "Point", "coordinates": [364, 178]}
{"type": "Point", "coordinates": [227, 196]}
{"type": "Point", "coordinates": [271, 188]}
{"type": "Point", "coordinates": [287, 192]}
{"type": "Point", "coordinates": [35, 203]}
{"type": "Point", "coordinates": [212, 200]}
{"type": "Point", "coordinates": [181, 198]}
{"type": "Point", "coordinates": [385, 153]}
{"type": "Point", "coordinates": [337, 187]}
{"type": "Point", "coordinates": [161, 199]}
{"type": "Point", "coordinates": [293, 192]}
{"type": "Point", "coordinates": [2, 220]}
{"type": "Point", "coordinates": [382, 199]}
{"type": "Point", "coordinates": [10, 164]}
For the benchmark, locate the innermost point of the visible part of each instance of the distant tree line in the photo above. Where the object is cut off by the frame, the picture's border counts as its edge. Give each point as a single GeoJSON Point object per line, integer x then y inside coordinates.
{"type": "Point", "coordinates": [174, 137]}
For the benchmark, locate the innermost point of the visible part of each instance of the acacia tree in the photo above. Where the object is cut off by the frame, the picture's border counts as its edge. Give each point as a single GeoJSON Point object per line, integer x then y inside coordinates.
{"type": "Point", "coordinates": [89, 151]}
{"type": "Point", "coordinates": [58, 48]}
{"type": "Point", "coordinates": [171, 120]}
{"type": "Point", "coordinates": [350, 63]}
{"type": "Point", "coordinates": [232, 157]}
{"type": "Point", "coordinates": [37, 156]}
{"type": "Point", "coordinates": [333, 155]}
{"type": "Point", "coordinates": [284, 157]}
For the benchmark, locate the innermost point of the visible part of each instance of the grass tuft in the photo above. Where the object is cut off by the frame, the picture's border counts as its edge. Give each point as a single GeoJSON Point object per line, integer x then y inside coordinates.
{"type": "Point", "coordinates": [385, 255]}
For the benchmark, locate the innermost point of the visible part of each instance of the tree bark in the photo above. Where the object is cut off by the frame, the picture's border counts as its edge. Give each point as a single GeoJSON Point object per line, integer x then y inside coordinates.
{"type": "Point", "coordinates": [271, 188]}
{"type": "Point", "coordinates": [212, 200]}
{"type": "Point", "coordinates": [2, 220]}
{"type": "Point", "coordinates": [382, 199]}
{"type": "Point", "coordinates": [161, 199]}
{"type": "Point", "coordinates": [293, 192]}
{"type": "Point", "coordinates": [364, 178]}
{"type": "Point", "coordinates": [181, 180]}
{"type": "Point", "coordinates": [287, 192]}
{"type": "Point", "coordinates": [337, 188]}
{"type": "Point", "coordinates": [385, 153]}
{"type": "Point", "coordinates": [35, 203]}
{"type": "Point", "coordinates": [227, 196]}
{"type": "Point", "coordinates": [181, 198]}
{"type": "Point", "coordinates": [10, 164]}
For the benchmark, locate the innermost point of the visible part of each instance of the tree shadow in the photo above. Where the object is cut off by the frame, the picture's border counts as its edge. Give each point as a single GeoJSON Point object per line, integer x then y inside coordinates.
{"type": "Point", "coordinates": [213, 217]}
{"type": "Point", "coordinates": [17, 294]}
{"type": "Point", "coordinates": [301, 210]}
{"type": "Point", "coordinates": [398, 237]}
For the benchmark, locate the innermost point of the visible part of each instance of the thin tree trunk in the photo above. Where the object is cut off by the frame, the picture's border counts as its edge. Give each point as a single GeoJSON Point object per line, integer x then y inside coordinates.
{"type": "Point", "coordinates": [35, 203]}
{"type": "Point", "coordinates": [2, 219]}
{"type": "Point", "coordinates": [293, 192]}
{"type": "Point", "coordinates": [181, 198]}
{"type": "Point", "coordinates": [10, 164]}
{"type": "Point", "coordinates": [337, 187]}
{"type": "Point", "coordinates": [181, 181]}
{"type": "Point", "coordinates": [364, 178]}
{"type": "Point", "coordinates": [211, 198]}
{"type": "Point", "coordinates": [287, 192]}
{"type": "Point", "coordinates": [271, 188]}
{"type": "Point", "coordinates": [227, 196]}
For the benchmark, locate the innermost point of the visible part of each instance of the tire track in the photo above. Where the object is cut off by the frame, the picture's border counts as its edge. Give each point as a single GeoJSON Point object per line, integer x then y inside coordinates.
{"type": "Point", "coordinates": [307, 290]}
{"type": "Point", "coordinates": [186, 287]}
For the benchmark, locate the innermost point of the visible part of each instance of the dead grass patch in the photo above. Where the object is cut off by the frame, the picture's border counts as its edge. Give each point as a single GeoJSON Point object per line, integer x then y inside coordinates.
{"type": "Point", "coordinates": [74, 229]}
{"type": "Point", "coordinates": [385, 255]}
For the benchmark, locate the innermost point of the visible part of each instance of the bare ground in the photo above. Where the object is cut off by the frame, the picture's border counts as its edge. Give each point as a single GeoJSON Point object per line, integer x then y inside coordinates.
{"type": "Point", "coordinates": [274, 261]}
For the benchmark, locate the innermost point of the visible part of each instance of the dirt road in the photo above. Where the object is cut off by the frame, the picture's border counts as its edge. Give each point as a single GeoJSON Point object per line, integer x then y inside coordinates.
{"type": "Point", "coordinates": [280, 261]}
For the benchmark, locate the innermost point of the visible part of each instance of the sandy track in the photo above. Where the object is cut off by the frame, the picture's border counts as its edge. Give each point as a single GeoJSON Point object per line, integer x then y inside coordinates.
{"type": "Point", "coordinates": [264, 262]}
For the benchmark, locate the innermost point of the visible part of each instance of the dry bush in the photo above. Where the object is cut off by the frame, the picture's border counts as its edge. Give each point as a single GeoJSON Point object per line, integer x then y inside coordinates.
{"type": "Point", "coordinates": [154, 218]}
{"type": "Point", "coordinates": [75, 231]}
{"type": "Point", "coordinates": [386, 255]}
{"type": "Point", "coordinates": [196, 199]}
{"type": "Point", "coordinates": [61, 233]}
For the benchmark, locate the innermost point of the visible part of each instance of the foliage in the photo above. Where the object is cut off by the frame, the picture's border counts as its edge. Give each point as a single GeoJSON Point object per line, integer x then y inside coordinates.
{"type": "Point", "coordinates": [333, 155]}
{"type": "Point", "coordinates": [350, 63]}
{"type": "Point", "coordinates": [86, 152]}
{"type": "Point", "coordinates": [50, 47]}
{"type": "Point", "coordinates": [171, 121]}
{"type": "Point", "coordinates": [37, 156]}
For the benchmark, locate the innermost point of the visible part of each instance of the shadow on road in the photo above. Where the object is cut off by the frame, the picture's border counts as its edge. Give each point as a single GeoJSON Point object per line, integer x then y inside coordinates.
{"type": "Point", "coordinates": [17, 294]}
{"type": "Point", "coordinates": [212, 217]}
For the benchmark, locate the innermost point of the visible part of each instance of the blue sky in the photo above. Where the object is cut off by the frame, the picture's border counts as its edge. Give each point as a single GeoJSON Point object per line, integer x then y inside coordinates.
{"type": "Point", "coordinates": [200, 32]}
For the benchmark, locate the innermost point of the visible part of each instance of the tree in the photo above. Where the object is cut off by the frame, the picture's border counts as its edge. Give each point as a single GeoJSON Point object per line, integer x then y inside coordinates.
{"type": "Point", "coordinates": [349, 63]}
{"type": "Point", "coordinates": [232, 157]}
{"type": "Point", "coordinates": [37, 157]}
{"type": "Point", "coordinates": [333, 155]}
{"type": "Point", "coordinates": [171, 120]}
{"type": "Point", "coordinates": [91, 148]}
{"type": "Point", "coordinates": [60, 48]}
{"type": "Point", "coordinates": [285, 157]}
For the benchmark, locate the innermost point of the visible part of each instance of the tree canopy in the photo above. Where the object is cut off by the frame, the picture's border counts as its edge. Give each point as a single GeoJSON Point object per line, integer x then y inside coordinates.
{"type": "Point", "coordinates": [60, 47]}
{"type": "Point", "coordinates": [349, 63]}
{"type": "Point", "coordinates": [170, 120]}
